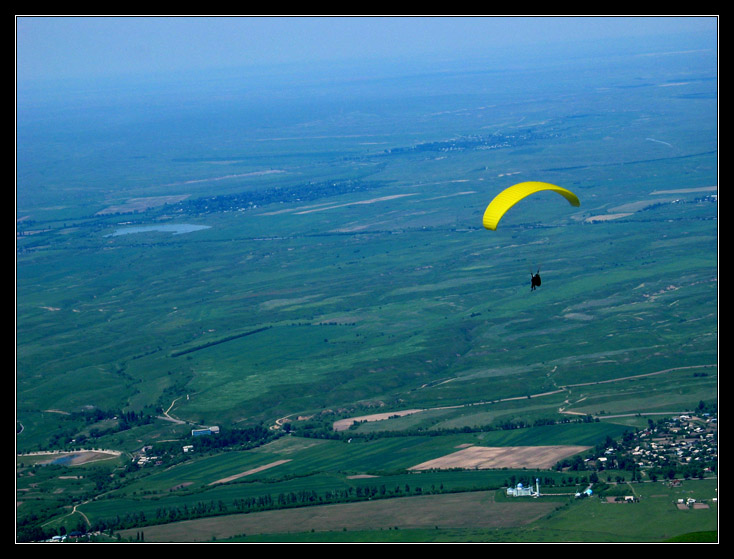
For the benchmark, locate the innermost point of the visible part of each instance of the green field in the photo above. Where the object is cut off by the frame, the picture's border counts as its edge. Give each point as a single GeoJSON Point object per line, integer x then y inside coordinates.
{"type": "Point", "coordinates": [654, 517]}
{"type": "Point", "coordinates": [341, 270]}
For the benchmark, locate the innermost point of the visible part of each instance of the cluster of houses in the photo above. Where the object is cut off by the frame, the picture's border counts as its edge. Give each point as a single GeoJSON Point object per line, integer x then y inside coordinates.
{"type": "Point", "coordinates": [684, 439]}
{"type": "Point", "coordinates": [71, 536]}
{"type": "Point", "coordinates": [143, 456]}
{"type": "Point", "coordinates": [670, 445]}
{"type": "Point", "coordinates": [678, 441]}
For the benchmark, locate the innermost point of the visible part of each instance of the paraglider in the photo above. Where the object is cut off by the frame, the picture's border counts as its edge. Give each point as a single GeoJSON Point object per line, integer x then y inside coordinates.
{"type": "Point", "coordinates": [512, 195]}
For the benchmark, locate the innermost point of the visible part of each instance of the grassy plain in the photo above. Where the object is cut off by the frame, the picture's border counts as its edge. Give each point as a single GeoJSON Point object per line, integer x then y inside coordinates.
{"type": "Point", "coordinates": [478, 516]}
{"type": "Point", "coordinates": [295, 311]}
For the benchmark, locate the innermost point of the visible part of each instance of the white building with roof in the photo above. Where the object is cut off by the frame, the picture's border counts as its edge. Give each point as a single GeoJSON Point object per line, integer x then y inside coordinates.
{"type": "Point", "coordinates": [521, 491]}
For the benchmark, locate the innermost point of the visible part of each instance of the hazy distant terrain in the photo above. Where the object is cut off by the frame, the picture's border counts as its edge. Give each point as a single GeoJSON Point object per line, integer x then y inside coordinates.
{"type": "Point", "coordinates": [272, 258]}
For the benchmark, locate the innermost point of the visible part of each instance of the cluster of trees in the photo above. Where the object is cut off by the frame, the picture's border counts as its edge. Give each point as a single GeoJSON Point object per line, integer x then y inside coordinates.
{"type": "Point", "coordinates": [122, 421]}
{"type": "Point", "coordinates": [247, 437]}
{"type": "Point", "coordinates": [475, 142]}
{"type": "Point", "coordinates": [164, 515]}
{"type": "Point", "coordinates": [322, 428]}
{"type": "Point", "coordinates": [227, 438]}
{"type": "Point", "coordinates": [202, 509]}
{"type": "Point", "coordinates": [302, 192]}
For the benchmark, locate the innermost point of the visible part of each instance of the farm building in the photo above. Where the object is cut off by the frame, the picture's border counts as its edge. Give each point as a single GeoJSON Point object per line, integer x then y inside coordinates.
{"type": "Point", "coordinates": [206, 431]}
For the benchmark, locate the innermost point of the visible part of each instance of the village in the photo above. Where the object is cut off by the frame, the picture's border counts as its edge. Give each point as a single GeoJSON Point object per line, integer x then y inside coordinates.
{"type": "Point", "coordinates": [680, 446]}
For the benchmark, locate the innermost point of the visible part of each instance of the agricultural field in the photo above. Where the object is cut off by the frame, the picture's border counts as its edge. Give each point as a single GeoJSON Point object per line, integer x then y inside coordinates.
{"type": "Point", "coordinates": [306, 281]}
{"type": "Point", "coordinates": [478, 516]}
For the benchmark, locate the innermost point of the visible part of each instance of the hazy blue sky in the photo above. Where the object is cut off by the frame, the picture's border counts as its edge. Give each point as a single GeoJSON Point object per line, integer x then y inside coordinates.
{"type": "Point", "coordinates": [69, 47]}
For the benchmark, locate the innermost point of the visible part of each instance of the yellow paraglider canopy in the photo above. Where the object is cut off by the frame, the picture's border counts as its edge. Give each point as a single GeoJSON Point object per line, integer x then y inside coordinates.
{"type": "Point", "coordinates": [512, 195]}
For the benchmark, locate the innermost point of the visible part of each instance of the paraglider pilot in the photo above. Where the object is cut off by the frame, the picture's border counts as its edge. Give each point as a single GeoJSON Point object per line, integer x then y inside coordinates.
{"type": "Point", "coordinates": [534, 280]}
